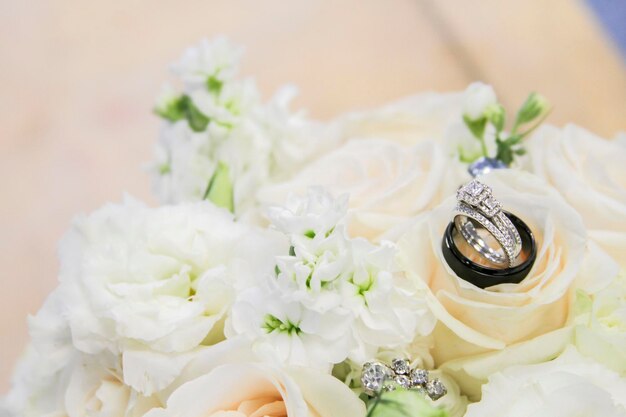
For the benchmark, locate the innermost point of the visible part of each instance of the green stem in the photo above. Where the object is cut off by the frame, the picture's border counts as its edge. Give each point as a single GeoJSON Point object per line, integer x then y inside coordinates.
{"type": "Point", "coordinates": [370, 411]}
{"type": "Point", "coordinates": [483, 147]}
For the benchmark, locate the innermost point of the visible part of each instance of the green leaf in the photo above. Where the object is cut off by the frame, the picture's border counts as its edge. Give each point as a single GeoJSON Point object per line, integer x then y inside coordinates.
{"type": "Point", "coordinates": [198, 122]}
{"type": "Point", "coordinates": [220, 188]}
{"type": "Point", "coordinates": [534, 106]}
{"type": "Point", "coordinates": [477, 127]}
{"type": "Point", "coordinates": [403, 403]}
{"type": "Point", "coordinates": [173, 110]}
{"type": "Point", "coordinates": [183, 108]}
{"type": "Point", "coordinates": [310, 234]}
{"type": "Point", "coordinates": [497, 116]}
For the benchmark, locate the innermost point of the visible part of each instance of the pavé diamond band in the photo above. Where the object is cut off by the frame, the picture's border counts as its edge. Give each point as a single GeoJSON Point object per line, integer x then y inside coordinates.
{"type": "Point", "coordinates": [477, 205]}
{"type": "Point", "coordinates": [377, 377]}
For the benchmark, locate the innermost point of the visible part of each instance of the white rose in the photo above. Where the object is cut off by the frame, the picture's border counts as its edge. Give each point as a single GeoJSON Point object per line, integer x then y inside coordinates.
{"type": "Point", "coordinates": [155, 283]}
{"type": "Point", "coordinates": [388, 183]}
{"type": "Point", "coordinates": [510, 322]}
{"type": "Point", "coordinates": [406, 122]}
{"type": "Point", "coordinates": [225, 380]}
{"type": "Point", "coordinates": [590, 173]}
{"type": "Point", "coordinates": [477, 98]}
{"type": "Point", "coordinates": [570, 386]}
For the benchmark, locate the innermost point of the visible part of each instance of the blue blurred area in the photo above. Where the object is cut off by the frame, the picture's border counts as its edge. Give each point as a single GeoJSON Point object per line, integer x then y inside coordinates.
{"type": "Point", "coordinates": [612, 15]}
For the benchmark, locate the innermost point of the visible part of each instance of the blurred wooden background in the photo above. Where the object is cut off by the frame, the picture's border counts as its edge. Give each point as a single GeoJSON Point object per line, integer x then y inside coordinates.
{"type": "Point", "coordinates": [77, 82]}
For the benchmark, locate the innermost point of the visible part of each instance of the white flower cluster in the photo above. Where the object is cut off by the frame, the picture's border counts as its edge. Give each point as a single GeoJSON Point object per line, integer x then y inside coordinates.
{"type": "Point", "coordinates": [330, 297]}
{"type": "Point", "coordinates": [203, 307]}
{"type": "Point", "coordinates": [219, 141]}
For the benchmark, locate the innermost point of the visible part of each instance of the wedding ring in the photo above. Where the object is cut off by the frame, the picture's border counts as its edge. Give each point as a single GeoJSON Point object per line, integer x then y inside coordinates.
{"type": "Point", "coordinates": [377, 377]}
{"type": "Point", "coordinates": [476, 206]}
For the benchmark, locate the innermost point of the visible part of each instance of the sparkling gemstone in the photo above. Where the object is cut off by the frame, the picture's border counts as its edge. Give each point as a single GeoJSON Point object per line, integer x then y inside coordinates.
{"type": "Point", "coordinates": [374, 376]}
{"type": "Point", "coordinates": [401, 366]}
{"type": "Point", "coordinates": [484, 165]}
{"type": "Point", "coordinates": [403, 381]}
{"type": "Point", "coordinates": [491, 203]}
{"type": "Point", "coordinates": [436, 389]}
{"type": "Point", "coordinates": [474, 188]}
{"type": "Point", "coordinates": [419, 377]}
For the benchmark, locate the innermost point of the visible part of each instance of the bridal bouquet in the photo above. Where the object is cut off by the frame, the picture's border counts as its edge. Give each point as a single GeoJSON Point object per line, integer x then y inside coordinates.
{"type": "Point", "coordinates": [295, 267]}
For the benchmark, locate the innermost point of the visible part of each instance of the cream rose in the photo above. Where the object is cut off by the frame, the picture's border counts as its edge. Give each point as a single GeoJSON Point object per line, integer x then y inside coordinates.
{"type": "Point", "coordinates": [507, 320]}
{"type": "Point", "coordinates": [226, 380]}
{"type": "Point", "coordinates": [387, 182]}
{"type": "Point", "coordinates": [570, 386]}
{"type": "Point", "coordinates": [590, 173]}
{"type": "Point", "coordinates": [406, 122]}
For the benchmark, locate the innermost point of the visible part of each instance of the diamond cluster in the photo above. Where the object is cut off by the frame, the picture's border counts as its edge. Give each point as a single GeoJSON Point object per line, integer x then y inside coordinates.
{"type": "Point", "coordinates": [476, 201]}
{"type": "Point", "coordinates": [377, 377]}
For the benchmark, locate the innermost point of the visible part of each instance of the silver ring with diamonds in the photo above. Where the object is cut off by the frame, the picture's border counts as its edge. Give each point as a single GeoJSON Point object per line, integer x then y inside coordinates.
{"type": "Point", "coordinates": [378, 377]}
{"type": "Point", "coordinates": [477, 205]}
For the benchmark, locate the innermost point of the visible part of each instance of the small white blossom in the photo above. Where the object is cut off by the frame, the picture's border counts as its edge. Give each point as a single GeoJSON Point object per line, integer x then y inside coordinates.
{"type": "Point", "coordinates": [477, 98]}
{"type": "Point", "coordinates": [349, 285]}
{"type": "Point", "coordinates": [221, 121]}
{"type": "Point", "coordinates": [217, 59]}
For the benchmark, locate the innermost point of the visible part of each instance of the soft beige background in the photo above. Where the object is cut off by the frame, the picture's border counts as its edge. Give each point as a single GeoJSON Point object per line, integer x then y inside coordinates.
{"type": "Point", "coordinates": [77, 81]}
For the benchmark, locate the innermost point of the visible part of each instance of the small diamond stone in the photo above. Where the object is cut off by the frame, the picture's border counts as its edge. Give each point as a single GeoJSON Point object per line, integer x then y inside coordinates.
{"type": "Point", "coordinates": [403, 381]}
{"type": "Point", "coordinates": [474, 188]}
{"type": "Point", "coordinates": [419, 377]}
{"type": "Point", "coordinates": [436, 389]}
{"type": "Point", "coordinates": [401, 366]}
{"type": "Point", "coordinates": [491, 203]}
{"type": "Point", "coordinates": [374, 376]}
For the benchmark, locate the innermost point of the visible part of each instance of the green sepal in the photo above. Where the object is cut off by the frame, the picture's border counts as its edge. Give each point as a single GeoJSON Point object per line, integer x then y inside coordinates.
{"type": "Point", "coordinates": [477, 127]}
{"type": "Point", "coordinates": [534, 106]}
{"type": "Point", "coordinates": [497, 116]}
{"type": "Point", "coordinates": [220, 188]}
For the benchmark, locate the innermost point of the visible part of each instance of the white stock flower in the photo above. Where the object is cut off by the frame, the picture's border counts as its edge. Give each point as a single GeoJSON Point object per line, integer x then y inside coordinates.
{"type": "Point", "coordinates": [569, 386]}
{"type": "Point", "coordinates": [477, 98]}
{"type": "Point", "coordinates": [332, 297]}
{"type": "Point", "coordinates": [217, 59]}
{"type": "Point", "coordinates": [155, 283]}
{"type": "Point", "coordinates": [221, 121]}
{"type": "Point", "coordinates": [235, 101]}
{"type": "Point", "coordinates": [590, 173]}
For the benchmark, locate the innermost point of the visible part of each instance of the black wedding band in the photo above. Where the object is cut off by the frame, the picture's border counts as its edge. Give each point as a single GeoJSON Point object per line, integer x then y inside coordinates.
{"type": "Point", "coordinates": [483, 276]}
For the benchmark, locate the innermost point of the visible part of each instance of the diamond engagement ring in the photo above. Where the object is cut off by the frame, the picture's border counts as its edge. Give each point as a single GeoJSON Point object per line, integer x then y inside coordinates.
{"type": "Point", "coordinates": [476, 206]}
{"type": "Point", "coordinates": [377, 377]}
